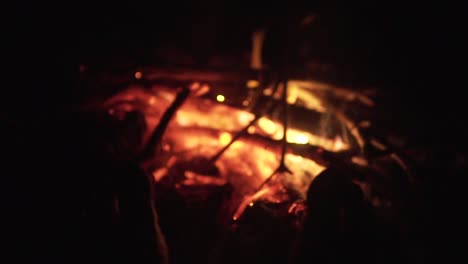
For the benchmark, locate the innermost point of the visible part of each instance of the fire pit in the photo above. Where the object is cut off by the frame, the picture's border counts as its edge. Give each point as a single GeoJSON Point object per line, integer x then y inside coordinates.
{"type": "Point", "coordinates": [223, 171]}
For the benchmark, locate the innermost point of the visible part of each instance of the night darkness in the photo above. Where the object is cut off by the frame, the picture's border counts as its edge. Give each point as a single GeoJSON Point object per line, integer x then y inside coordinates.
{"type": "Point", "coordinates": [405, 47]}
{"type": "Point", "coordinates": [412, 53]}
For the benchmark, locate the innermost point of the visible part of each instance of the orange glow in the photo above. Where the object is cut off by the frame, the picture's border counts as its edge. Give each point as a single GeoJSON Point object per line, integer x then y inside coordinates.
{"type": "Point", "coordinates": [258, 39]}
{"type": "Point", "coordinates": [197, 179]}
{"type": "Point", "coordinates": [225, 138]}
{"type": "Point", "coordinates": [309, 100]}
{"type": "Point", "coordinates": [268, 92]}
{"type": "Point", "coordinates": [251, 130]}
{"type": "Point", "coordinates": [338, 144]}
{"type": "Point", "coordinates": [159, 174]}
{"type": "Point", "coordinates": [216, 116]}
{"type": "Point", "coordinates": [301, 139]}
{"type": "Point", "coordinates": [315, 87]}
{"type": "Point", "coordinates": [247, 201]}
{"type": "Point", "coordinates": [220, 98]}
{"type": "Point", "coordinates": [244, 118]}
{"type": "Point", "coordinates": [252, 84]}
{"type": "Point", "coordinates": [365, 124]}
{"type": "Point", "coordinates": [201, 127]}
{"type": "Point", "coordinates": [275, 130]}
{"type": "Point", "coordinates": [297, 208]}
{"type": "Point", "coordinates": [378, 144]}
{"type": "Point", "coordinates": [205, 88]}
{"type": "Point", "coordinates": [292, 94]}
{"type": "Point", "coordinates": [166, 147]}
{"type": "Point", "coordinates": [138, 75]}
{"type": "Point", "coordinates": [359, 161]}
{"type": "Point", "coordinates": [183, 119]}
{"type": "Point", "coordinates": [194, 86]}
{"type": "Point", "coordinates": [268, 126]}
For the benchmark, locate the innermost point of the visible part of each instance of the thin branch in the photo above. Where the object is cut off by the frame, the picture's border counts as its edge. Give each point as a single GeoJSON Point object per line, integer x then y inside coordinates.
{"type": "Point", "coordinates": [266, 110]}
{"type": "Point", "coordinates": [158, 133]}
{"type": "Point", "coordinates": [282, 168]}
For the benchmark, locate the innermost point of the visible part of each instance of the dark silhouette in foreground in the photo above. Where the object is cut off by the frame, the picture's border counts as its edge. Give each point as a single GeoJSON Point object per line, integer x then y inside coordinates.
{"type": "Point", "coordinates": [339, 227]}
{"type": "Point", "coordinates": [116, 211]}
{"type": "Point", "coordinates": [75, 199]}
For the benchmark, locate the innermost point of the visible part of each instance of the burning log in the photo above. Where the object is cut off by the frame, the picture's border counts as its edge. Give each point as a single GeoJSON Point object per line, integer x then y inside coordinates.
{"type": "Point", "coordinates": [241, 147]}
{"type": "Point", "coordinates": [228, 165]}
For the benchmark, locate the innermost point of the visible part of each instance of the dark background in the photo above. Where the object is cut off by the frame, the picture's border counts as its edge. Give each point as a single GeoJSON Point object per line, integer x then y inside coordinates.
{"type": "Point", "coordinates": [413, 53]}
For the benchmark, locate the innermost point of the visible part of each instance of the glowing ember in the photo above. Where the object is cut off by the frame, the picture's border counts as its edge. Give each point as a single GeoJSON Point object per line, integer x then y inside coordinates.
{"type": "Point", "coordinates": [138, 75]}
{"type": "Point", "coordinates": [195, 85]}
{"type": "Point", "coordinates": [252, 84]}
{"type": "Point", "coordinates": [202, 127]}
{"type": "Point", "coordinates": [292, 96]}
{"type": "Point", "coordinates": [220, 98]}
{"type": "Point", "coordinates": [275, 131]}
{"type": "Point", "coordinates": [225, 138]}
{"type": "Point", "coordinates": [301, 139]}
{"type": "Point", "coordinates": [269, 126]}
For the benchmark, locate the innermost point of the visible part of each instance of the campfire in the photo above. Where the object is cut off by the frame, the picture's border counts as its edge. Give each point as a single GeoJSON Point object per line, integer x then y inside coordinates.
{"type": "Point", "coordinates": [232, 155]}
{"type": "Point", "coordinates": [245, 146]}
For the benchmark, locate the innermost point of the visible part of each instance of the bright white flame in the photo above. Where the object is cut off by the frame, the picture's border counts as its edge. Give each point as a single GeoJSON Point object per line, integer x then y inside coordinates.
{"type": "Point", "coordinates": [300, 139]}
{"type": "Point", "coordinates": [220, 98]}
